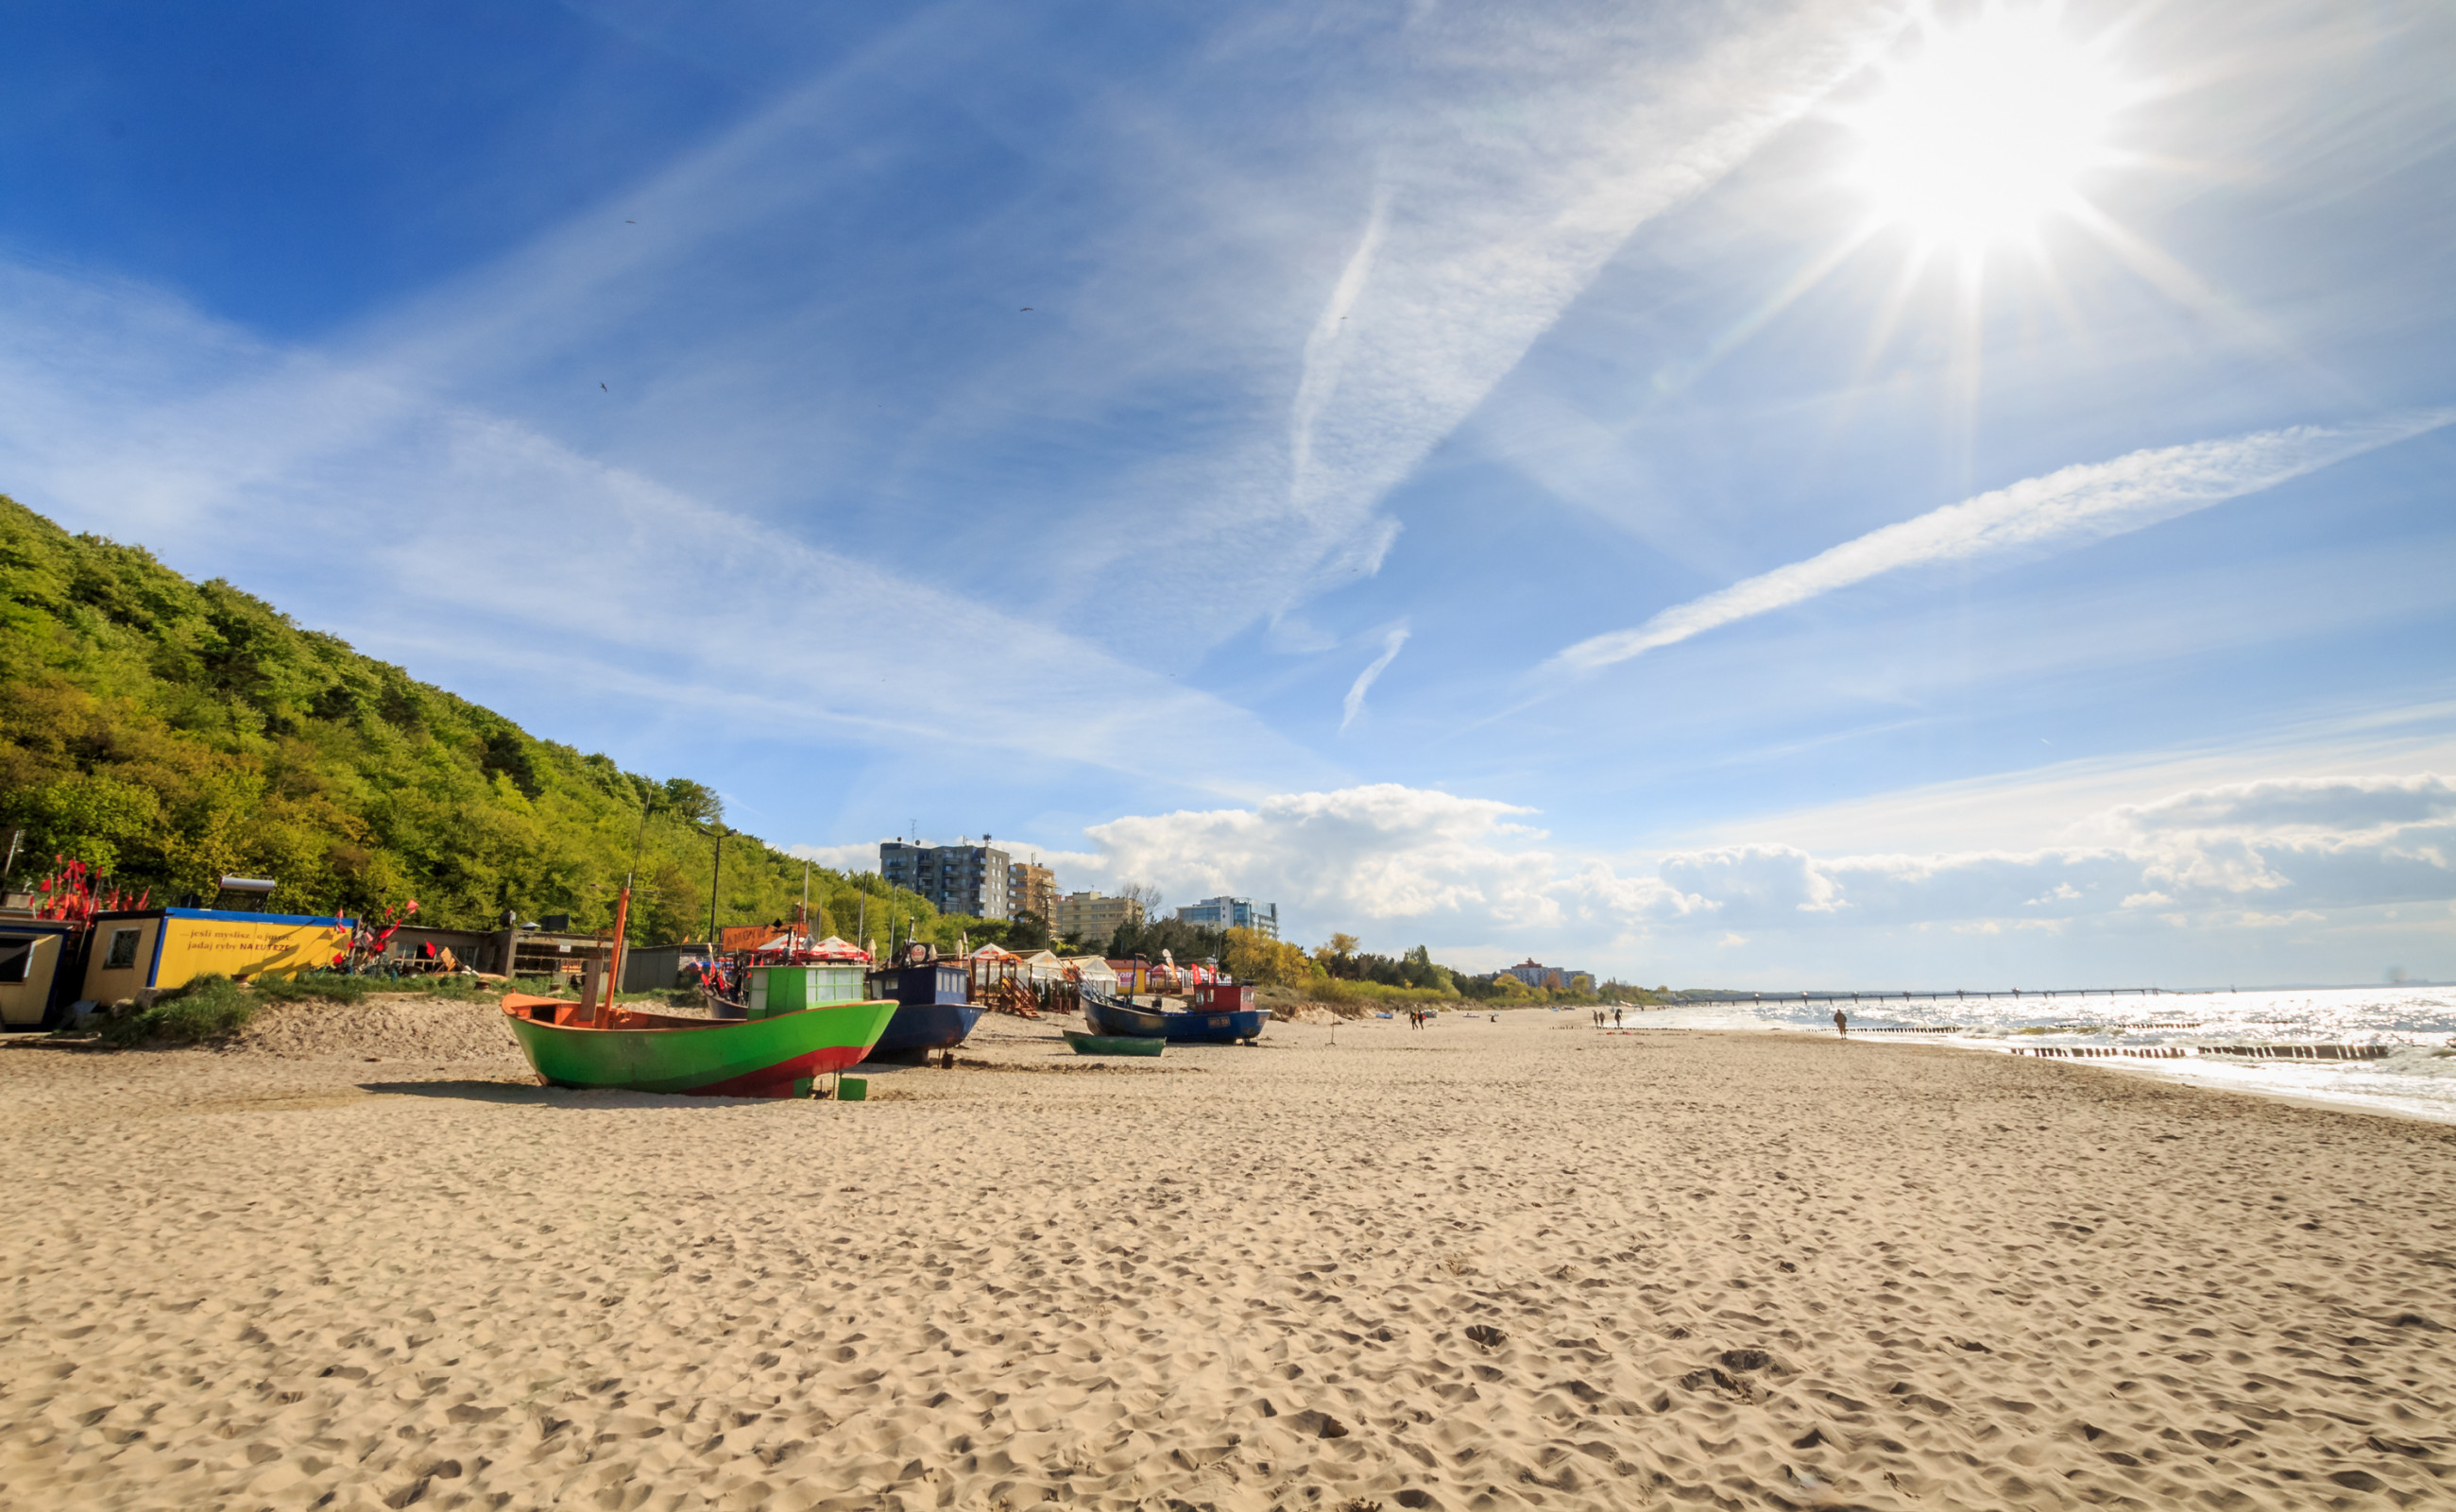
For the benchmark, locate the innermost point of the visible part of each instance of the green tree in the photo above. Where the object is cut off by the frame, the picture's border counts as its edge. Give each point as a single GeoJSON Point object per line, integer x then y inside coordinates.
{"type": "Point", "coordinates": [172, 732]}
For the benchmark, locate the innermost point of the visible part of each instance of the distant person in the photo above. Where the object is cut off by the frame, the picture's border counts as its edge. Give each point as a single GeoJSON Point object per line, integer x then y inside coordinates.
{"type": "Point", "coordinates": [1615, 1018]}
{"type": "Point", "coordinates": [1842, 1023]}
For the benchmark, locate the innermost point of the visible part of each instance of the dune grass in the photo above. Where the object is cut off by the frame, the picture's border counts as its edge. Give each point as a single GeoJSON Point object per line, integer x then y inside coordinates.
{"type": "Point", "coordinates": [207, 1009]}
{"type": "Point", "coordinates": [213, 1007]}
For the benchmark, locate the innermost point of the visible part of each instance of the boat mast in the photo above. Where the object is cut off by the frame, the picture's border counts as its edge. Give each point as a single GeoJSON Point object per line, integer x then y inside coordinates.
{"type": "Point", "coordinates": [614, 956]}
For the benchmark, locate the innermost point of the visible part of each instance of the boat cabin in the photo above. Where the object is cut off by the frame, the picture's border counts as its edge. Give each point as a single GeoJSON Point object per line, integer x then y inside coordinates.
{"type": "Point", "coordinates": [1221, 998]}
{"type": "Point", "coordinates": [769, 991]}
{"type": "Point", "coordinates": [919, 976]}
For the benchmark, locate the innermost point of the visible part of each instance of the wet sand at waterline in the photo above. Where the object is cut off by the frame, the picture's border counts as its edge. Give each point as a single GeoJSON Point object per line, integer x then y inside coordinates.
{"type": "Point", "coordinates": [1478, 1265]}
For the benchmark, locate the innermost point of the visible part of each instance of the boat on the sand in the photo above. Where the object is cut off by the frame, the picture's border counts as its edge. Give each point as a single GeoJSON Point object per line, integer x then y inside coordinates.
{"type": "Point", "coordinates": [1114, 1044]}
{"type": "Point", "coordinates": [1198, 1028]}
{"type": "Point", "coordinates": [1112, 1016]}
{"type": "Point", "coordinates": [778, 1055]}
{"type": "Point", "coordinates": [934, 1007]}
{"type": "Point", "coordinates": [1217, 1013]}
{"type": "Point", "coordinates": [1122, 1017]}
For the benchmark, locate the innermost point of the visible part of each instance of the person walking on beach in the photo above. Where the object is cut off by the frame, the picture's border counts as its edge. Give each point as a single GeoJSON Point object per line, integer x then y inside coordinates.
{"type": "Point", "coordinates": [1842, 1023]}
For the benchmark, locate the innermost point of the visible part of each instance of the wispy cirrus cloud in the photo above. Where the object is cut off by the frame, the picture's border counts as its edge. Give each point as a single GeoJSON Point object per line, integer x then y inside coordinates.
{"type": "Point", "coordinates": [1354, 704]}
{"type": "Point", "coordinates": [2072, 506]}
{"type": "Point", "coordinates": [1483, 226]}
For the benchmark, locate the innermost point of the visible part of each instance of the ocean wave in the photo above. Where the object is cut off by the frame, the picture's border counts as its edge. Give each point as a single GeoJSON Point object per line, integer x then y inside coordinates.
{"type": "Point", "coordinates": [2246, 1041]}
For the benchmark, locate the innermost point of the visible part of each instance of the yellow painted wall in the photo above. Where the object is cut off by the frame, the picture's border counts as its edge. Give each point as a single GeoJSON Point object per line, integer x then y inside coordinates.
{"type": "Point", "coordinates": [239, 946]}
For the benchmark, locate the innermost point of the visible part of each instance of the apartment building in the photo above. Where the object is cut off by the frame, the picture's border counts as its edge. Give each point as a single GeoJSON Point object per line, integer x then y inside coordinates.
{"type": "Point", "coordinates": [1032, 888]}
{"type": "Point", "coordinates": [1559, 978]}
{"type": "Point", "coordinates": [1232, 913]}
{"type": "Point", "coordinates": [1092, 918]}
{"type": "Point", "coordinates": [961, 878]}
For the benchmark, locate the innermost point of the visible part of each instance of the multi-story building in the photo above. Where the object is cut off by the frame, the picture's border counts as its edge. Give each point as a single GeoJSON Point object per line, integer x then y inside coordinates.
{"type": "Point", "coordinates": [1092, 918]}
{"type": "Point", "coordinates": [961, 878]}
{"type": "Point", "coordinates": [1032, 888]}
{"type": "Point", "coordinates": [1560, 978]}
{"type": "Point", "coordinates": [1232, 913]}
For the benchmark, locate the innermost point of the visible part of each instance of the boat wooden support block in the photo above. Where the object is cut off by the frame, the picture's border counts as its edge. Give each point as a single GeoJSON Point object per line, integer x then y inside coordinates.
{"type": "Point", "coordinates": [852, 1089]}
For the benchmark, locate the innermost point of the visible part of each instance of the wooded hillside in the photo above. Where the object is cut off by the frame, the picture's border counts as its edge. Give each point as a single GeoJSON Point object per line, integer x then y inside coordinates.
{"type": "Point", "coordinates": [169, 732]}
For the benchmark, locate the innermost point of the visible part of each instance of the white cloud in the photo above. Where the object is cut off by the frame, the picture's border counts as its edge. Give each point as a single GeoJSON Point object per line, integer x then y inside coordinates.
{"type": "Point", "coordinates": [1378, 858]}
{"type": "Point", "coordinates": [1398, 864]}
{"type": "Point", "coordinates": [848, 859]}
{"type": "Point", "coordinates": [2326, 803]}
{"type": "Point", "coordinates": [1354, 704]}
{"type": "Point", "coordinates": [2069, 507]}
{"type": "Point", "coordinates": [1077, 868]}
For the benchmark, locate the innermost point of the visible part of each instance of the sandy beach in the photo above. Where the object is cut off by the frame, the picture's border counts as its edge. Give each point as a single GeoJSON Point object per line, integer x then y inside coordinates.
{"type": "Point", "coordinates": [363, 1262]}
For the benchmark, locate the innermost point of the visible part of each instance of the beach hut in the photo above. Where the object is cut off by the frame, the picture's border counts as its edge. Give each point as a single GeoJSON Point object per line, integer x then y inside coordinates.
{"type": "Point", "coordinates": [38, 969]}
{"type": "Point", "coordinates": [136, 949]}
{"type": "Point", "coordinates": [1092, 971]}
{"type": "Point", "coordinates": [1042, 965]}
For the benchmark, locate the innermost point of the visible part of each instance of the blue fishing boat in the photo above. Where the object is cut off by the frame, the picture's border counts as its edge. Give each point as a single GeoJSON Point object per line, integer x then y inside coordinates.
{"type": "Point", "coordinates": [1199, 1028]}
{"type": "Point", "coordinates": [1121, 1017]}
{"type": "Point", "coordinates": [933, 1011]}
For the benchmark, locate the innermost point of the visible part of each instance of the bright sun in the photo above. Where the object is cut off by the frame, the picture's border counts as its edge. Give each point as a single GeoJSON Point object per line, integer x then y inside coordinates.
{"type": "Point", "coordinates": [1987, 130]}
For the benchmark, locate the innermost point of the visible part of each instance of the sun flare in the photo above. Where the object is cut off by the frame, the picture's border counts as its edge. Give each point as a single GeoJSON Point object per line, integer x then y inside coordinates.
{"type": "Point", "coordinates": [1987, 130]}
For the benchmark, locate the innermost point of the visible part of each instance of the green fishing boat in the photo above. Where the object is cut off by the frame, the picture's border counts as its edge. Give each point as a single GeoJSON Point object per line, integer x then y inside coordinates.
{"type": "Point", "coordinates": [778, 1055]}
{"type": "Point", "coordinates": [1114, 1044]}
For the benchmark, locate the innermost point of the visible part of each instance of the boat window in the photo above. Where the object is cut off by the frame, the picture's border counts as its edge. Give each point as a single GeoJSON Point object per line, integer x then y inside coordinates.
{"type": "Point", "coordinates": [123, 950]}
{"type": "Point", "coordinates": [16, 957]}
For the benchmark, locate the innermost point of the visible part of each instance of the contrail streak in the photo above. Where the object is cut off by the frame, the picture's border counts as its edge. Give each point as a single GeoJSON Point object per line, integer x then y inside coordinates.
{"type": "Point", "coordinates": [1354, 701]}
{"type": "Point", "coordinates": [2069, 507]}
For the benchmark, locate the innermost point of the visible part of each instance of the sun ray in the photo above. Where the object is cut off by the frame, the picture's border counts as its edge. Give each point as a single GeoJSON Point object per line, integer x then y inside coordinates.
{"type": "Point", "coordinates": [1808, 277]}
{"type": "Point", "coordinates": [2170, 278]}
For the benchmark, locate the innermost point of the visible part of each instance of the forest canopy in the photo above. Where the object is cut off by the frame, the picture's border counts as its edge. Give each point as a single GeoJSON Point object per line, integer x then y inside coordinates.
{"type": "Point", "coordinates": [169, 733]}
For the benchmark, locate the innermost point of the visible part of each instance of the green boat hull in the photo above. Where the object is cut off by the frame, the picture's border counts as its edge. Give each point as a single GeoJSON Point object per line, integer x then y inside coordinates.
{"type": "Point", "coordinates": [1113, 1044]}
{"type": "Point", "coordinates": [761, 1057]}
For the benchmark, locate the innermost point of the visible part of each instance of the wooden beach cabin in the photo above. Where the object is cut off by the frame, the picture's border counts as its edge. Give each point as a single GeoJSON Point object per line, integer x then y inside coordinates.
{"type": "Point", "coordinates": [38, 969]}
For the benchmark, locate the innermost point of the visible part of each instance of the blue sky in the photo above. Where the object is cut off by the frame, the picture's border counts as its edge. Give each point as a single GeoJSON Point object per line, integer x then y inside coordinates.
{"type": "Point", "coordinates": [1740, 493]}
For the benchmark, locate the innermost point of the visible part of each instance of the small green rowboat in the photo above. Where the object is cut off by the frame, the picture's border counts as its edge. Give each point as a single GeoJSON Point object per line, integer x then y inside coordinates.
{"type": "Point", "coordinates": [778, 1056]}
{"type": "Point", "coordinates": [1113, 1044]}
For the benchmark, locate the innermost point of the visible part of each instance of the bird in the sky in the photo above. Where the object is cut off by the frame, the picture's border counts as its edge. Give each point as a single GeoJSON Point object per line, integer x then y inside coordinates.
{"type": "Point", "coordinates": [1026, 310]}
{"type": "Point", "coordinates": [602, 386]}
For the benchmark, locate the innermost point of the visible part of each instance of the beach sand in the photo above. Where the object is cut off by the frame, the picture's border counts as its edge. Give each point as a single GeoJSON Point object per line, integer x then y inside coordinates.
{"type": "Point", "coordinates": [1480, 1265]}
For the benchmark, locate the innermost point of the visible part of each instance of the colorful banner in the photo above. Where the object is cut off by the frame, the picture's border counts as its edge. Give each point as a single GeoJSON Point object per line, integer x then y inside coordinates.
{"type": "Point", "coordinates": [238, 945]}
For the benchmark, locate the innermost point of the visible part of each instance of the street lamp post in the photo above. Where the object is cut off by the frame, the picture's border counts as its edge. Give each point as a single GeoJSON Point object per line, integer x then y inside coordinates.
{"type": "Point", "coordinates": [715, 877]}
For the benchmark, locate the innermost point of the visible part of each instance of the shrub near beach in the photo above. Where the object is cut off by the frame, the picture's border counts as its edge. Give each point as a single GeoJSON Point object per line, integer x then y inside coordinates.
{"type": "Point", "coordinates": [214, 1008]}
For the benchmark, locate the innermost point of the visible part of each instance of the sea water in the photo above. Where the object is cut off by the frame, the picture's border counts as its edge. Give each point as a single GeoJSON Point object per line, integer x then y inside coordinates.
{"type": "Point", "coordinates": [2417, 1025]}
